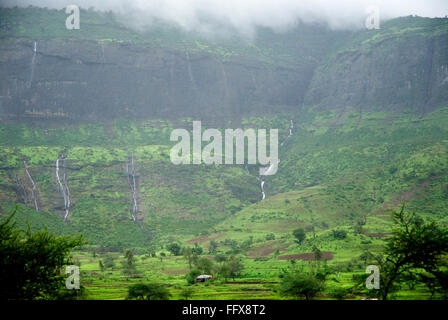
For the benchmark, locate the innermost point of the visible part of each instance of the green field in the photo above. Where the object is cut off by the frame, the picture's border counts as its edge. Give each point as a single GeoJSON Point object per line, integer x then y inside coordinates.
{"type": "Point", "coordinates": [328, 180]}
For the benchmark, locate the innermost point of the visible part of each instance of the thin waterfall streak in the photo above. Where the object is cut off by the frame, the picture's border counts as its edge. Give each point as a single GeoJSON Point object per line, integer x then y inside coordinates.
{"type": "Point", "coordinates": [58, 179]}
{"type": "Point", "coordinates": [272, 165]}
{"type": "Point", "coordinates": [63, 187]}
{"type": "Point", "coordinates": [66, 185]}
{"type": "Point", "coordinates": [33, 62]}
{"type": "Point", "coordinates": [190, 72]}
{"type": "Point", "coordinates": [130, 170]}
{"type": "Point", "coordinates": [262, 190]}
{"type": "Point", "coordinates": [33, 186]}
{"type": "Point", "coordinates": [102, 53]}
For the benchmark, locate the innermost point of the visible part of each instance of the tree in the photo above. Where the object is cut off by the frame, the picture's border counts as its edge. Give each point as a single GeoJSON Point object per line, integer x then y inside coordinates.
{"type": "Point", "coordinates": [174, 248]}
{"type": "Point", "coordinates": [220, 258]}
{"type": "Point", "coordinates": [101, 265]}
{"type": "Point", "coordinates": [415, 245]}
{"type": "Point", "coordinates": [197, 249]}
{"type": "Point", "coordinates": [150, 291]}
{"type": "Point", "coordinates": [187, 292]}
{"type": "Point", "coordinates": [224, 271]}
{"type": "Point", "coordinates": [204, 265]}
{"type": "Point", "coordinates": [317, 253]}
{"type": "Point", "coordinates": [129, 263]}
{"type": "Point", "coordinates": [270, 236]}
{"type": "Point", "coordinates": [298, 284]}
{"type": "Point", "coordinates": [188, 255]}
{"type": "Point", "coordinates": [235, 266]}
{"type": "Point", "coordinates": [192, 275]}
{"type": "Point", "coordinates": [32, 264]}
{"type": "Point", "coordinates": [358, 227]}
{"type": "Point", "coordinates": [109, 262]}
{"type": "Point", "coordinates": [212, 247]}
{"type": "Point", "coordinates": [317, 257]}
{"type": "Point", "coordinates": [339, 234]}
{"type": "Point", "coordinates": [299, 234]}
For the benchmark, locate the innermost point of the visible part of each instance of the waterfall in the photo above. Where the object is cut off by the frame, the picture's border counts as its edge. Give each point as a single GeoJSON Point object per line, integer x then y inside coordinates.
{"type": "Point", "coordinates": [291, 126]}
{"type": "Point", "coordinates": [190, 72]}
{"type": "Point", "coordinates": [33, 186]}
{"type": "Point", "coordinates": [262, 176]}
{"type": "Point", "coordinates": [224, 78]}
{"type": "Point", "coordinates": [130, 170]}
{"type": "Point", "coordinates": [273, 165]}
{"type": "Point", "coordinates": [263, 195]}
{"type": "Point", "coordinates": [33, 62]}
{"type": "Point", "coordinates": [64, 179]}
{"type": "Point", "coordinates": [102, 53]}
{"type": "Point", "coordinates": [63, 186]}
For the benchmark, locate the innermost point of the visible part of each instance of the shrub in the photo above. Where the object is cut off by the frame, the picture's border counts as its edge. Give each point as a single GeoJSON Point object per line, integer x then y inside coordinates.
{"type": "Point", "coordinates": [299, 234]}
{"type": "Point", "coordinates": [192, 275]}
{"type": "Point", "coordinates": [150, 291]}
{"type": "Point", "coordinates": [300, 285]}
{"type": "Point", "coordinates": [339, 234]}
{"type": "Point", "coordinates": [174, 248]}
{"type": "Point", "coordinates": [186, 292]}
{"type": "Point", "coordinates": [31, 263]}
{"type": "Point", "coordinates": [270, 236]}
{"type": "Point", "coordinates": [339, 293]}
{"type": "Point", "coordinates": [220, 257]}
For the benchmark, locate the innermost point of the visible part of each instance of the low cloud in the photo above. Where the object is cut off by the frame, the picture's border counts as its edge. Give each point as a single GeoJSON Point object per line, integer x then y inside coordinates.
{"type": "Point", "coordinates": [246, 15]}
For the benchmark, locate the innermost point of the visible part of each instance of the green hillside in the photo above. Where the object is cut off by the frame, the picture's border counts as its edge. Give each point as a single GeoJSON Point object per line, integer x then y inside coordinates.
{"type": "Point", "coordinates": [370, 134]}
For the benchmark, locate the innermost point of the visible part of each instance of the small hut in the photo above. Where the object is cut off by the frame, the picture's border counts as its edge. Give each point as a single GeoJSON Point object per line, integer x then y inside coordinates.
{"type": "Point", "coordinates": [203, 277]}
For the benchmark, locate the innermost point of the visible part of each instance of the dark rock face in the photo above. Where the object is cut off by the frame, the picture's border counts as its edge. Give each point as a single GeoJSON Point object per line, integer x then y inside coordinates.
{"type": "Point", "coordinates": [395, 74]}
{"type": "Point", "coordinates": [88, 80]}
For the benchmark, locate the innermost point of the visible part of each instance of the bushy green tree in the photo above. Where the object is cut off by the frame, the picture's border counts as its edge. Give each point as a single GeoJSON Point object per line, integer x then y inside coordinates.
{"type": "Point", "coordinates": [197, 249]}
{"type": "Point", "coordinates": [298, 284]}
{"type": "Point", "coordinates": [192, 275]}
{"type": "Point", "coordinates": [174, 248]}
{"type": "Point", "coordinates": [188, 255]}
{"type": "Point", "coordinates": [220, 257]}
{"type": "Point", "coordinates": [109, 261]}
{"type": "Point", "coordinates": [32, 264]}
{"type": "Point", "coordinates": [224, 271]}
{"type": "Point", "coordinates": [204, 265]}
{"type": "Point", "coordinates": [149, 291]}
{"type": "Point", "coordinates": [232, 267]}
{"type": "Point", "coordinates": [416, 245]}
{"type": "Point", "coordinates": [270, 236]}
{"type": "Point", "coordinates": [212, 247]}
{"type": "Point", "coordinates": [299, 234]}
{"type": "Point", "coordinates": [339, 234]}
{"type": "Point", "coordinates": [129, 263]}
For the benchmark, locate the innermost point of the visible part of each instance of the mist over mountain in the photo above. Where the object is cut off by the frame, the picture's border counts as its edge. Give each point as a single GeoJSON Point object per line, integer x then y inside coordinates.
{"type": "Point", "coordinates": [210, 16]}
